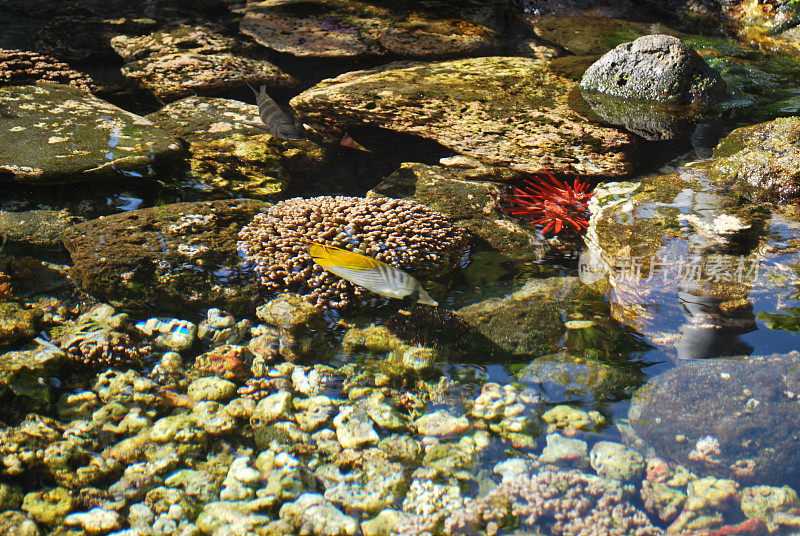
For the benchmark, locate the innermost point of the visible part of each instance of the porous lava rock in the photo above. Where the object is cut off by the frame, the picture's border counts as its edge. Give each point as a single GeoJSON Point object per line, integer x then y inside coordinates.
{"type": "Point", "coordinates": [655, 67]}
{"type": "Point", "coordinates": [734, 418]}
{"type": "Point", "coordinates": [174, 256]}
{"type": "Point", "coordinates": [503, 111]}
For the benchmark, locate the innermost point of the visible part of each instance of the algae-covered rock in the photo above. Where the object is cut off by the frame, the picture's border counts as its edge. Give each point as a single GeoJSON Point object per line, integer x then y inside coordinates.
{"type": "Point", "coordinates": [179, 75]}
{"type": "Point", "coordinates": [763, 159]}
{"type": "Point", "coordinates": [487, 108]}
{"type": "Point", "coordinates": [528, 321]}
{"type": "Point", "coordinates": [585, 34]}
{"type": "Point", "coordinates": [176, 255]}
{"type": "Point", "coordinates": [188, 59]}
{"type": "Point", "coordinates": [469, 204]}
{"type": "Point", "coordinates": [568, 378]}
{"type": "Point", "coordinates": [35, 230]}
{"type": "Point", "coordinates": [48, 507]}
{"type": "Point", "coordinates": [26, 375]}
{"type": "Point", "coordinates": [59, 134]}
{"type": "Point", "coordinates": [655, 67]}
{"type": "Point", "coordinates": [17, 322]}
{"type": "Point", "coordinates": [16, 523]}
{"type": "Point", "coordinates": [728, 417]}
{"type": "Point", "coordinates": [358, 28]}
{"type": "Point", "coordinates": [301, 326]}
{"type": "Point", "coordinates": [614, 460]}
{"type": "Point", "coordinates": [764, 502]}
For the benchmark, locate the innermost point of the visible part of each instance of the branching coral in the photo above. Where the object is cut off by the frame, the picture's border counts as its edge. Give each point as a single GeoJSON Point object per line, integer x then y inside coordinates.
{"type": "Point", "coordinates": [568, 503]}
{"type": "Point", "coordinates": [402, 233]}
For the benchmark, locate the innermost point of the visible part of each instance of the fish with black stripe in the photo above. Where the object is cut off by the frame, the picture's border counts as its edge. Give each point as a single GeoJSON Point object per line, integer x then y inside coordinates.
{"type": "Point", "coordinates": [273, 119]}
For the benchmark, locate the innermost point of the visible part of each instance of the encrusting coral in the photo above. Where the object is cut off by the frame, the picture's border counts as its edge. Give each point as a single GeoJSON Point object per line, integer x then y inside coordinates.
{"type": "Point", "coordinates": [402, 233]}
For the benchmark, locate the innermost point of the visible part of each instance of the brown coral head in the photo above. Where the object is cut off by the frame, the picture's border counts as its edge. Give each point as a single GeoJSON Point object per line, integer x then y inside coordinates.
{"type": "Point", "coordinates": [402, 233]}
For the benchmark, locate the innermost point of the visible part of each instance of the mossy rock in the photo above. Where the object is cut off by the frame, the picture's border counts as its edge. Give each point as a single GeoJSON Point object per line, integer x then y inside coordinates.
{"type": "Point", "coordinates": [58, 134]}
{"type": "Point", "coordinates": [172, 256]}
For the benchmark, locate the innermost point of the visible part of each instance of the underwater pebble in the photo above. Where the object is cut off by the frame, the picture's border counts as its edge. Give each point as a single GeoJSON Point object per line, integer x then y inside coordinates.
{"type": "Point", "coordinates": [211, 388]}
{"type": "Point", "coordinates": [614, 460]}
{"type": "Point", "coordinates": [312, 514]}
{"type": "Point", "coordinates": [170, 333]}
{"type": "Point", "coordinates": [354, 427]}
{"type": "Point", "coordinates": [565, 451]}
{"type": "Point", "coordinates": [95, 521]}
{"type": "Point", "coordinates": [441, 424]}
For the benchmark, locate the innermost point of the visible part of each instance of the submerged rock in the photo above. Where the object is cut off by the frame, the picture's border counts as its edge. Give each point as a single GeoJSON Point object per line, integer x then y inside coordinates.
{"type": "Point", "coordinates": [19, 67]}
{"type": "Point", "coordinates": [35, 230]}
{"type": "Point", "coordinates": [487, 108]}
{"type": "Point", "coordinates": [529, 321]}
{"type": "Point", "coordinates": [733, 418]}
{"type": "Point", "coordinates": [173, 256]}
{"type": "Point", "coordinates": [58, 134]}
{"type": "Point", "coordinates": [655, 67]}
{"type": "Point", "coordinates": [185, 60]}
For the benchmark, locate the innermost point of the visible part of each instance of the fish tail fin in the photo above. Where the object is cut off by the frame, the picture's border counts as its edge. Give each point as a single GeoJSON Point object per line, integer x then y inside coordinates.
{"type": "Point", "coordinates": [252, 89]}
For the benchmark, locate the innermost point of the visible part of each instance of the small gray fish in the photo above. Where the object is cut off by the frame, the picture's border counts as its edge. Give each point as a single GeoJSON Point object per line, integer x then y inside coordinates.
{"type": "Point", "coordinates": [274, 119]}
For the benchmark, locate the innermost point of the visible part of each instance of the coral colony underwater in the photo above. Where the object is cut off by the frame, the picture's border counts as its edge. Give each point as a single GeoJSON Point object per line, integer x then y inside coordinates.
{"type": "Point", "coordinates": [370, 268]}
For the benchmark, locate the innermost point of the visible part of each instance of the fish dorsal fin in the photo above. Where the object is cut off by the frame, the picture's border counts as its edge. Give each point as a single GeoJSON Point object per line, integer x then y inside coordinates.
{"type": "Point", "coordinates": [329, 256]}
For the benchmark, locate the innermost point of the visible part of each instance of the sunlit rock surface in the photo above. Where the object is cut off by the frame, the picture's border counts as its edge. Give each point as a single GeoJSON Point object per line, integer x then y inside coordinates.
{"type": "Point", "coordinates": [505, 111]}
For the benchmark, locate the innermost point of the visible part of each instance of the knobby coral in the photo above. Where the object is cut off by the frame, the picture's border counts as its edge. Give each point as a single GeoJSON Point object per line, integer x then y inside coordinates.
{"type": "Point", "coordinates": [403, 233]}
{"type": "Point", "coordinates": [18, 66]}
{"type": "Point", "coordinates": [552, 204]}
{"type": "Point", "coordinates": [568, 503]}
{"type": "Point", "coordinates": [104, 348]}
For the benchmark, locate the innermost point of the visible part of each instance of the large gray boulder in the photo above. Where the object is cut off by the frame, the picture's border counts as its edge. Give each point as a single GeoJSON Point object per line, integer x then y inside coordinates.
{"type": "Point", "coordinates": [656, 68]}
{"type": "Point", "coordinates": [734, 418]}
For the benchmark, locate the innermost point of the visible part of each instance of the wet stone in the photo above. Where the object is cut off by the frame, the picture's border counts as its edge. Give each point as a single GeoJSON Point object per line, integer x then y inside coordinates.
{"type": "Point", "coordinates": [35, 230]}
{"type": "Point", "coordinates": [212, 388]}
{"type": "Point", "coordinates": [229, 156]}
{"type": "Point", "coordinates": [180, 255]}
{"type": "Point", "coordinates": [318, 516]}
{"type": "Point", "coordinates": [614, 460]}
{"type": "Point", "coordinates": [16, 523]}
{"type": "Point", "coordinates": [179, 75]}
{"type": "Point", "coordinates": [17, 323]}
{"type": "Point", "coordinates": [655, 67]}
{"type": "Point", "coordinates": [762, 159]}
{"type": "Point", "coordinates": [487, 108]}
{"type": "Point", "coordinates": [354, 427]}
{"type": "Point", "coordinates": [702, 415]}
{"type": "Point", "coordinates": [58, 134]}
{"type": "Point", "coordinates": [441, 424]}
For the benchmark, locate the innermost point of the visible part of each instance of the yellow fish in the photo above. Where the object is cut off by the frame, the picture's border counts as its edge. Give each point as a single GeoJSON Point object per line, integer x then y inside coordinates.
{"type": "Point", "coordinates": [369, 273]}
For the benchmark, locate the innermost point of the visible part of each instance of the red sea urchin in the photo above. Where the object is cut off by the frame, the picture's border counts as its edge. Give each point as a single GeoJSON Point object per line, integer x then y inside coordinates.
{"type": "Point", "coordinates": [552, 204]}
